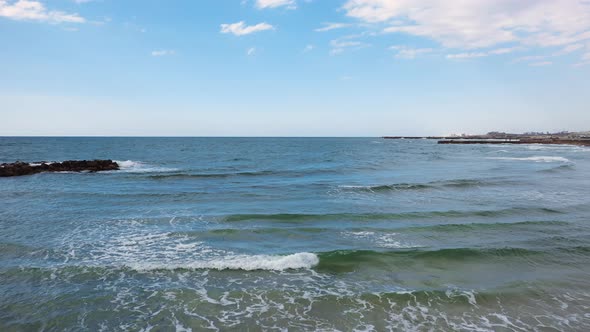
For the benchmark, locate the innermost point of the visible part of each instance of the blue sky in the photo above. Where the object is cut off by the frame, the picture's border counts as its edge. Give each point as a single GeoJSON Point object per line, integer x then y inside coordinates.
{"type": "Point", "coordinates": [293, 67]}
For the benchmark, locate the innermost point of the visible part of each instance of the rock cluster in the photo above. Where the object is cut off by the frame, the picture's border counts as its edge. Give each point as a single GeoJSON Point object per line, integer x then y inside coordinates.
{"type": "Point", "coordinates": [20, 168]}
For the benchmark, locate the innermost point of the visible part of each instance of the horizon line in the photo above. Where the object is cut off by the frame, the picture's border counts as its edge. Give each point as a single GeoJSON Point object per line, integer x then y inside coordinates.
{"type": "Point", "coordinates": [179, 136]}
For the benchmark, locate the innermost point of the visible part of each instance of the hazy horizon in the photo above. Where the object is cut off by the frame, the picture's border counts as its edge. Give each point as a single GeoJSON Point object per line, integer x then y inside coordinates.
{"type": "Point", "coordinates": [196, 136]}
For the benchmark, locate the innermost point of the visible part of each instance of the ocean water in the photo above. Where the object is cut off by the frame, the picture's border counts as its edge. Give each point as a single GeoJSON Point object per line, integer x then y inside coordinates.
{"type": "Point", "coordinates": [299, 234]}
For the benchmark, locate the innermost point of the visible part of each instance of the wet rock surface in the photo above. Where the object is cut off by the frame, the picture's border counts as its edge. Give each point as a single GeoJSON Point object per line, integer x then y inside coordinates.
{"type": "Point", "coordinates": [21, 168]}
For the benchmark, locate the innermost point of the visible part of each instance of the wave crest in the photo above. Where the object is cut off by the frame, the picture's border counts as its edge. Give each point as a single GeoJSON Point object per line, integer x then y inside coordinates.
{"type": "Point", "coordinates": [130, 166]}
{"type": "Point", "coordinates": [538, 159]}
{"type": "Point", "coordinates": [297, 218]}
{"type": "Point", "coordinates": [301, 260]}
{"type": "Point", "coordinates": [450, 184]}
{"type": "Point", "coordinates": [212, 175]}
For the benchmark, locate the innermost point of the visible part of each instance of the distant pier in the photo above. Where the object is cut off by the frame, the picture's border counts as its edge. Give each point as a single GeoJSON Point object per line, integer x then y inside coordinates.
{"type": "Point", "coordinates": [579, 142]}
{"type": "Point", "coordinates": [483, 139]}
{"type": "Point", "coordinates": [440, 137]}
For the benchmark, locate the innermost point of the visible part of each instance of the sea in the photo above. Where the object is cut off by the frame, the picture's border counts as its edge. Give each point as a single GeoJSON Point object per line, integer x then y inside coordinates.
{"type": "Point", "coordinates": [295, 234]}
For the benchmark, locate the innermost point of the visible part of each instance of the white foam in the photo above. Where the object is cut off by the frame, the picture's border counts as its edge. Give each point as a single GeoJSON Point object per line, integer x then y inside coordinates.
{"type": "Point", "coordinates": [389, 241]}
{"type": "Point", "coordinates": [302, 260]}
{"type": "Point", "coordinates": [362, 234]}
{"type": "Point", "coordinates": [538, 159]}
{"type": "Point", "coordinates": [131, 166]}
{"type": "Point", "coordinates": [557, 147]}
{"type": "Point", "coordinates": [453, 292]}
{"type": "Point", "coordinates": [39, 164]}
{"type": "Point", "coordinates": [541, 147]}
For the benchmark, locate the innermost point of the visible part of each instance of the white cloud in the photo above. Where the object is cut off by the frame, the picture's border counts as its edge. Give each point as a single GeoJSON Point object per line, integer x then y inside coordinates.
{"type": "Point", "coordinates": [473, 24]}
{"type": "Point", "coordinates": [344, 43]}
{"type": "Point", "coordinates": [332, 26]}
{"type": "Point", "coordinates": [471, 55]}
{"type": "Point", "coordinates": [308, 48]}
{"type": "Point", "coordinates": [529, 58]}
{"type": "Point", "coordinates": [339, 46]}
{"type": "Point", "coordinates": [241, 29]}
{"type": "Point", "coordinates": [543, 59]}
{"type": "Point", "coordinates": [467, 55]}
{"type": "Point", "coordinates": [405, 52]}
{"type": "Point", "coordinates": [570, 48]}
{"type": "Point", "coordinates": [336, 51]}
{"type": "Point", "coordinates": [27, 10]}
{"type": "Point", "coordinates": [159, 53]}
{"type": "Point", "coordinates": [251, 51]}
{"type": "Point", "coordinates": [504, 50]}
{"type": "Point", "coordinates": [542, 63]}
{"type": "Point", "coordinates": [290, 4]}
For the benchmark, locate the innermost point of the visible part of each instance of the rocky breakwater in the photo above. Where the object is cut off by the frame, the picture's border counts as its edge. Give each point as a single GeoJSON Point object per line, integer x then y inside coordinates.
{"type": "Point", "coordinates": [20, 168]}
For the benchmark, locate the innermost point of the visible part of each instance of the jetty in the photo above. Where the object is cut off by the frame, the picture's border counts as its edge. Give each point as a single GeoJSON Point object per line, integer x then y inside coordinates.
{"type": "Point", "coordinates": [566, 138]}
{"type": "Point", "coordinates": [579, 142]}
{"type": "Point", "coordinates": [20, 168]}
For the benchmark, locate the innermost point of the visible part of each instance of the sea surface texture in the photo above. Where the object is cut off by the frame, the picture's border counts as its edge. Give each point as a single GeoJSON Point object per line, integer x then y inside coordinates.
{"type": "Point", "coordinates": [298, 234]}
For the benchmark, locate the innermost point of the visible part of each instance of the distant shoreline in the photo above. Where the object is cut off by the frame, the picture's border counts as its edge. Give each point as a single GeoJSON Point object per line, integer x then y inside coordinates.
{"type": "Point", "coordinates": [580, 142]}
{"type": "Point", "coordinates": [579, 138]}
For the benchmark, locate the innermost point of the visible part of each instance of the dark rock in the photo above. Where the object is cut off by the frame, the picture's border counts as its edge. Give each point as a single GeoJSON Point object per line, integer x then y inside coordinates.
{"type": "Point", "coordinates": [580, 142]}
{"type": "Point", "coordinates": [19, 168]}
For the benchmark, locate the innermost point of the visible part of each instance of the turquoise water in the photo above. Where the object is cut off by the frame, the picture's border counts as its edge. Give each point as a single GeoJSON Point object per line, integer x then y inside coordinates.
{"type": "Point", "coordinates": [296, 233]}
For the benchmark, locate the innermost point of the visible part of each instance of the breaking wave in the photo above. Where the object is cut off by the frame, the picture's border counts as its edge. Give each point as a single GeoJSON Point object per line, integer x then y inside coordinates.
{"type": "Point", "coordinates": [461, 183]}
{"type": "Point", "coordinates": [211, 175]}
{"type": "Point", "coordinates": [286, 217]}
{"type": "Point", "coordinates": [302, 260]}
{"type": "Point", "coordinates": [350, 260]}
{"type": "Point", "coordinates": [130, 166]}
{"type": "Point", "coordinates": [538, 159]}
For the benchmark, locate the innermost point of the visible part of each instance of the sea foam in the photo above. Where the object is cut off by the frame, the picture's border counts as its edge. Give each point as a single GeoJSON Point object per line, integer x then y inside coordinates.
{"type": "Point", "coordinates": [39, 164]}
{"type": "Point", "coordinates": [131, 166]}
{"type": "Point", "coordinates": [538, 159]}
{"type": "Point", "coordinates": [301, 260]}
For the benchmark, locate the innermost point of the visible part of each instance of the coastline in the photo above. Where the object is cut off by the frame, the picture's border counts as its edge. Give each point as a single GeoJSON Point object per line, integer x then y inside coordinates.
{"type": "Point", "coordinates": [580, 142]}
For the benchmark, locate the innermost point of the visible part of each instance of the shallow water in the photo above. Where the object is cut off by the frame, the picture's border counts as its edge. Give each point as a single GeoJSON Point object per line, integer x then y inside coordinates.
{"type": "Point", "coordinates": [296, 233]}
